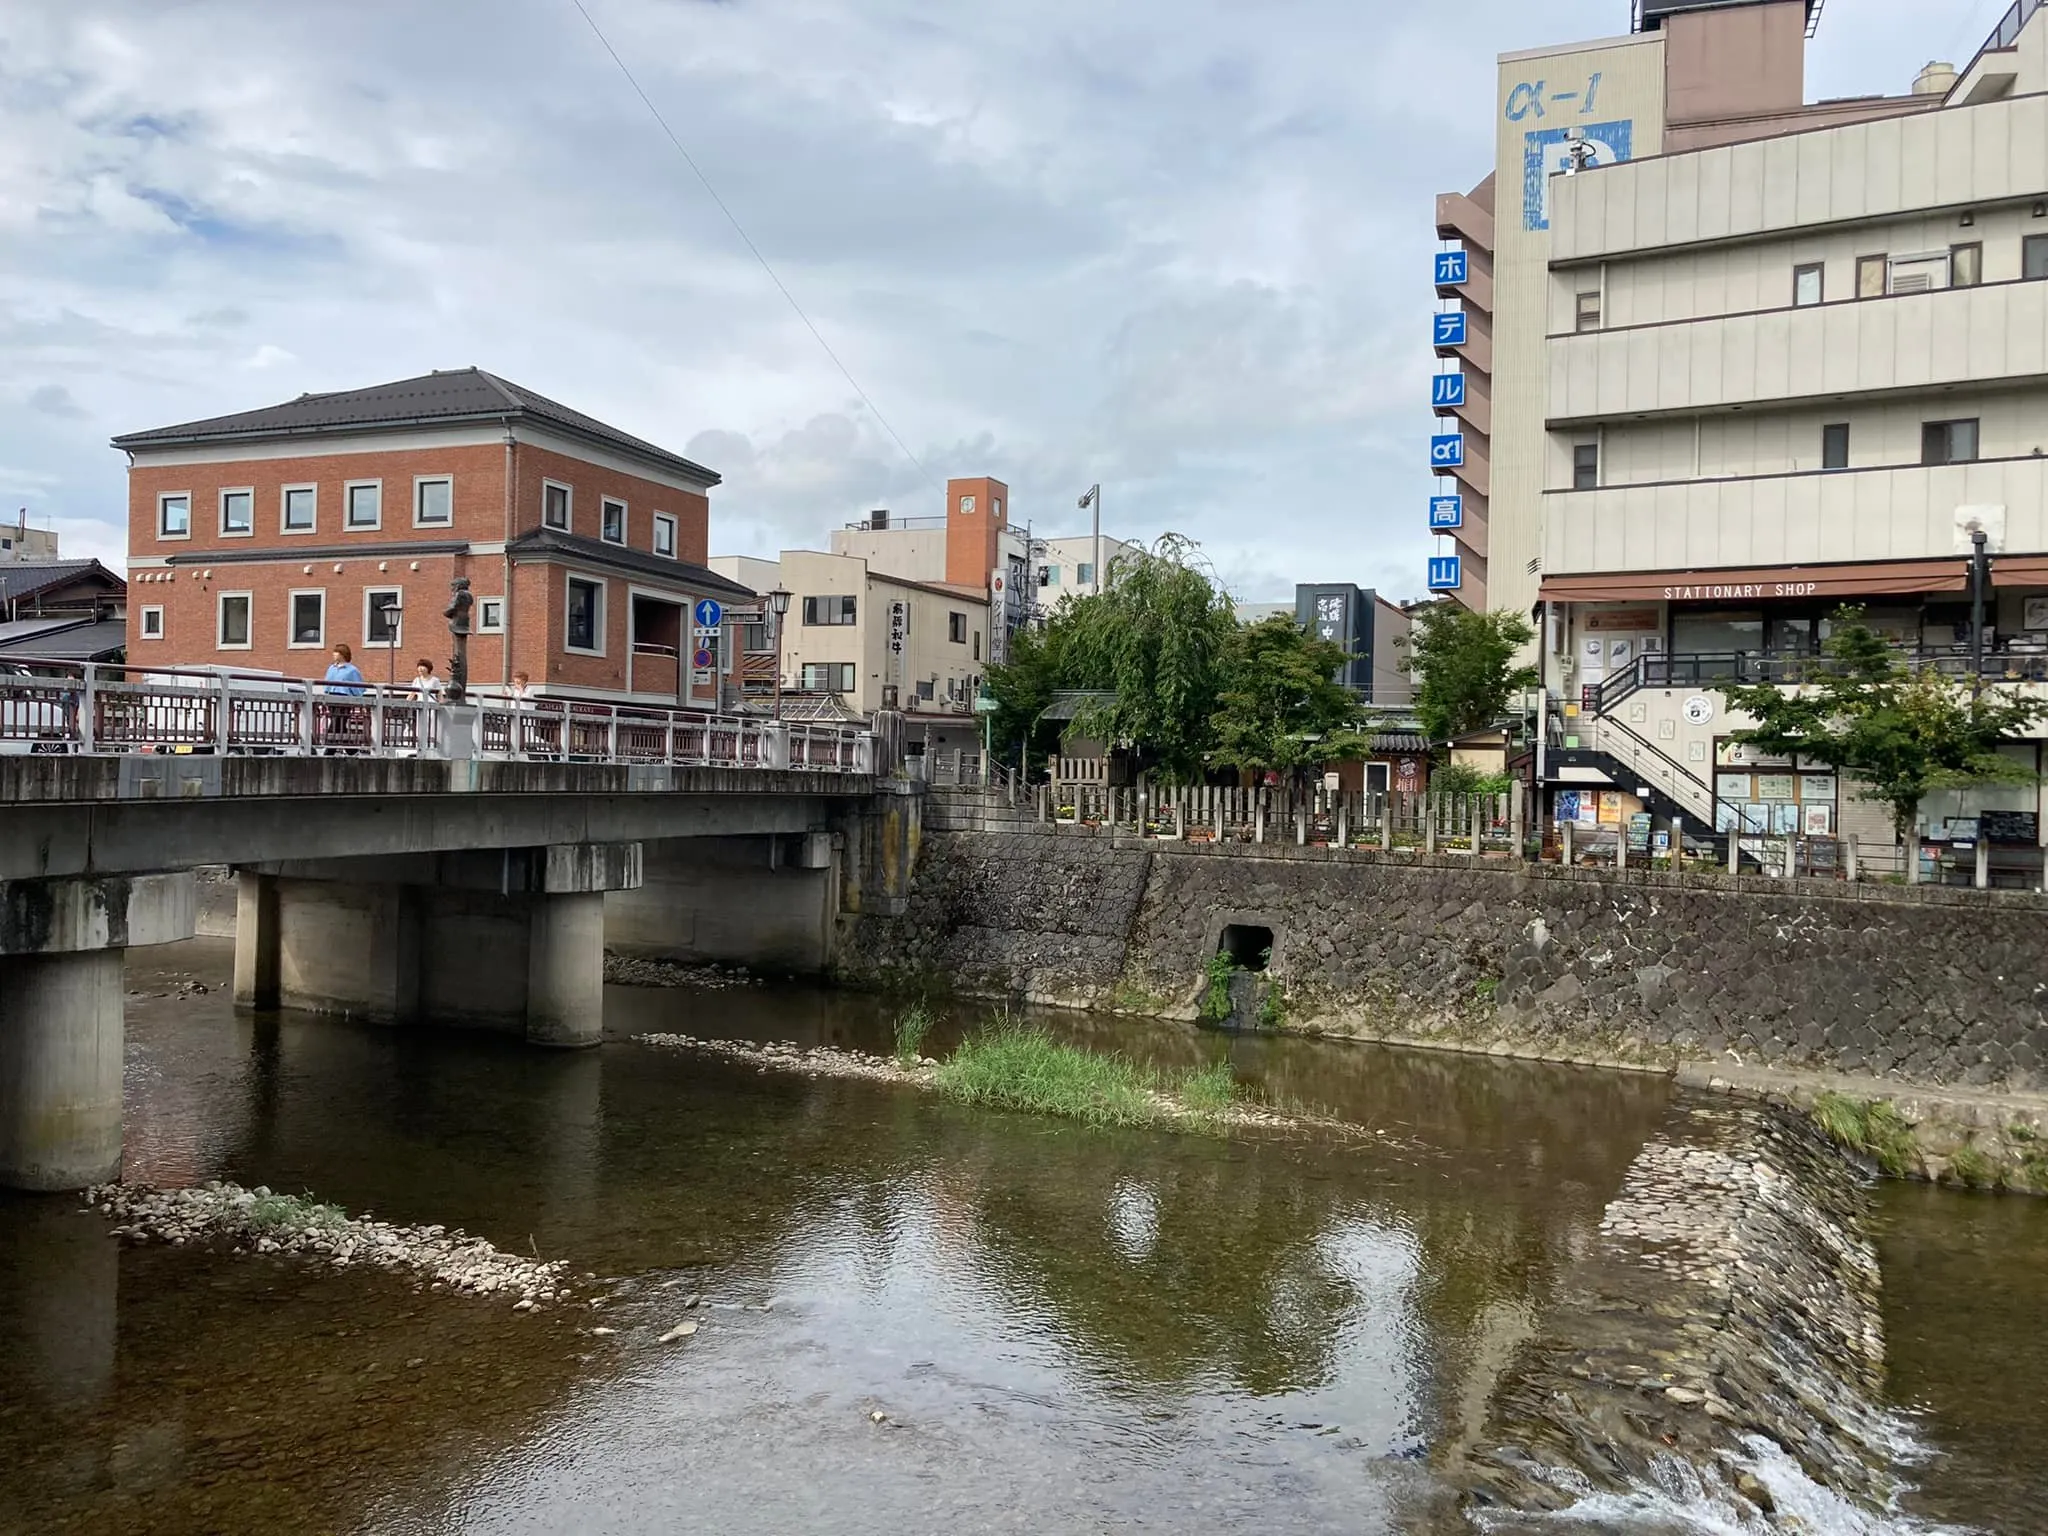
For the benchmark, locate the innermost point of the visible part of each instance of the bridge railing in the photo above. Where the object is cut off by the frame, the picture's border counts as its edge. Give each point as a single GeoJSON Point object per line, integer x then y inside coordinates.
{"type": "Point", "coordinates": [95, 707]}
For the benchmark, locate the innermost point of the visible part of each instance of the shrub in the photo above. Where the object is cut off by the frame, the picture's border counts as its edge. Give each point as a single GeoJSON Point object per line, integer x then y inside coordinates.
{"type": "Point", "coordinates": [912, 1025]}
{"type": "Point", "coordinates": [1873, 1127]}
{"type": "Point", "coordinates": [1216, 996]}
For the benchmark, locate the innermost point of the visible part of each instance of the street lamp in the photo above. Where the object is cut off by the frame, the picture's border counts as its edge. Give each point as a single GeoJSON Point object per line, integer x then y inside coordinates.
{"type": "Point", "coordinates": [393, 610]}
{"type": "Point", "coordinates": [1093, 500]}
{"type": "Point", "coordinates": [778, 603]}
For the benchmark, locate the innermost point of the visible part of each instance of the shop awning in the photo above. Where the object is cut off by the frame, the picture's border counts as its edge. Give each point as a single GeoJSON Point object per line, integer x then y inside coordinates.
{"type": "Point", "coordinates": [1765, 583]}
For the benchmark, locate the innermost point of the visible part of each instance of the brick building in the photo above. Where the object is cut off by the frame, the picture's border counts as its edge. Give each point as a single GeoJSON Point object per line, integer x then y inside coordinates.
{"type": "Point", "coordinates": [258, 540]}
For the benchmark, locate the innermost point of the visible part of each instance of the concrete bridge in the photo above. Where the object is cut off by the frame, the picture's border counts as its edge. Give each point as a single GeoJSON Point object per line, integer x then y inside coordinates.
{"type": "Point", "coordinates": [394, 882]}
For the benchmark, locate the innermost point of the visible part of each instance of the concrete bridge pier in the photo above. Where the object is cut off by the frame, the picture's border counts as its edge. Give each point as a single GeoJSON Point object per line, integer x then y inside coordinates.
{"type": "Point", "coordinates": [508, 939]}
{"type": "Point", "coordinates": [62, 996]}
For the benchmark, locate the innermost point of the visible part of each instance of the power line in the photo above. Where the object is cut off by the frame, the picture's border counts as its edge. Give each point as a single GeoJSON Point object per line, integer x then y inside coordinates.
{"type": "Point", "coordinates": [740, 229]}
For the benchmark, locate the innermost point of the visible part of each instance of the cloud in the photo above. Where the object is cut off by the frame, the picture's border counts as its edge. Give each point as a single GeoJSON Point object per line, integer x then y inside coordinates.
{"type": "Point", "coordinates": [53, 400]}
{"type": "Point", "coordinates": [1151, 244]}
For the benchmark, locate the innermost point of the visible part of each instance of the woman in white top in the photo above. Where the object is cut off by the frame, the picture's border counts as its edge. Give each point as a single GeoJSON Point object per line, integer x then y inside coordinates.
{"type": "Point", "coordinates": [424, 682]}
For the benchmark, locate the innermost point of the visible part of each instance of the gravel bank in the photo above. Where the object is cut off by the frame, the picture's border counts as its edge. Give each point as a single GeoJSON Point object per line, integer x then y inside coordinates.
{"type": "Point", "coordinates": [632, 971]}
{"type": "Point", "coordinates": [258, 1221]}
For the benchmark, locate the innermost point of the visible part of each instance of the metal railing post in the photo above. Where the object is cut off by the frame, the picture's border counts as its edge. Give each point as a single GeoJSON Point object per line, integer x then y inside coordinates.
{"type": "Point", "coordinates": [88, 709]}
{"type": "Point", "coordinates": [1851, 864]}
{"type": "Point", "coordinates": [224, 726]}
{"type": "Point", "coordinates": [611, 736]}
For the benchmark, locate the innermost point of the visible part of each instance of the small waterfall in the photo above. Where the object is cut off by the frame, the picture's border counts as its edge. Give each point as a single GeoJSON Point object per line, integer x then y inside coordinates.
{"type": "Point", "coordinates": [1714, 1362]}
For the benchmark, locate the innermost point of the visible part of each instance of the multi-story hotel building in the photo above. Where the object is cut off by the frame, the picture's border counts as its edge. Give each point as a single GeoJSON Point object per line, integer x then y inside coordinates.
{"type": "Point", "coordinates": [1729, 360]}
{"type": "Point", "coordinates": [257, 541]}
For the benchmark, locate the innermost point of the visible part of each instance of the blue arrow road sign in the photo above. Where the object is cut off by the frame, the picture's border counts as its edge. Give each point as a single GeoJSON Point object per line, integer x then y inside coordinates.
{"type": "Point", "coordinates": [708, 613]}
{"type": "Point", "coordinates": [1452, 267]}
{"type": "Point", "coordinates": [1443, 573]}
{"type": "Point", "coordinates": [1447, 390]}
{"type": "Point", "coordinates": [1446, 512]}
{"type": "Point", "coordinates": [1449, 329]}
{"type": "Point", "coordinates": [1447, 451]}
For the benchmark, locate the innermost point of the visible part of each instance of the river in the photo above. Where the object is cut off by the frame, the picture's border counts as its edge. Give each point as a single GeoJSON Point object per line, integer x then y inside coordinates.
{"type": "Point", "coordinates": [916, 1317]}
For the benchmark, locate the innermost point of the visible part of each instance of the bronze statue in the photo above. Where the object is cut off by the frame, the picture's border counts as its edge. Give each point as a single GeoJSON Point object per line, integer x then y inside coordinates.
{"type": "Point", "coordinates": [457, 615]}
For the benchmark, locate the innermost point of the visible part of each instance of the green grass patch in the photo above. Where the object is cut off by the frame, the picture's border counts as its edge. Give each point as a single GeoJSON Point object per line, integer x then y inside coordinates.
{"type": "Point", "coordinates": [292, 1213]}
{"type": "Point", "coordinates": [1216, 994]}
{"type": "Point", "coordinates": [1870, 1126]}
{"type": "Point", "coordinates": [1485, 987]}
{"type": "Point", "coordinates": [912, 1025]}
{"type": "Point", "coordinates": [1273, 1007]}
{"type": "Point", "coordinates": [1020, 1066]}
{"type": "Point", "coordinates": [1968, 1165]}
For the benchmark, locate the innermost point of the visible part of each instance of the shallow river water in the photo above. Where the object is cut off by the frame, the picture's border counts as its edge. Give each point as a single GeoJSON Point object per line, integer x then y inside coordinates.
{"type": "Point", "coordinates": [1063, 1329]}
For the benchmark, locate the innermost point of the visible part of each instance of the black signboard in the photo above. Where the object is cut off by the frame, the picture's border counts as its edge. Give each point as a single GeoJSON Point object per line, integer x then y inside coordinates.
{"type": "Point", "coordinates": [2010, 827]}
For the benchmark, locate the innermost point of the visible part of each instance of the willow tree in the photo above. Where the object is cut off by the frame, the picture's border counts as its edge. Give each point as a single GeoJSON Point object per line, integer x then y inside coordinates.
{"type": "Point", "coordinates": [1156, 640]}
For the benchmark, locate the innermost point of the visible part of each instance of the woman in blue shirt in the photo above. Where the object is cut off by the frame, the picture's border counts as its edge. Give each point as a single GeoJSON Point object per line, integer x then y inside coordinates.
{"type": "Point", "coordinates": [345, 679]}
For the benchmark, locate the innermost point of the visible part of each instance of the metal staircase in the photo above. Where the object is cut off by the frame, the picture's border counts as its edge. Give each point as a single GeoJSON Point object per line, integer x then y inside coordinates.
{"type": "Point", "coordinates": [1631, 762]}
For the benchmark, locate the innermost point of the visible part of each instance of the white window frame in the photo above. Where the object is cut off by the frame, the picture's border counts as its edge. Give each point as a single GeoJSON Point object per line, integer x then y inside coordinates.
{"type": "Point", "coordinates": [599, 618]}
{"type": "Point", "coordinates": [484, 626]}
{"type": "Point", "coordinates": [291, 616]}
{"type": "Point", "coordinates": [665, 521]}
{"type": "Point", "coordinates": [397, 641]}
{"type": "Point", "coordinates": [348, 489]}
{"type": "Point", "coordinates": [423, 480]}
{"type": "Point", "coordinates": [284, 501]}
{"type": "Point", "coordinates": [169, 496]}
{"type": "Point", "coordinates": [152, 611]}
{"type": "Point", "coordinates": [221, 520]}
{"type": "Point", "coordinates": [568, 523]}
{"type": "Point", "coordinates": [220, 613]}
{"type": "Point", "coordinates": [604, 506]}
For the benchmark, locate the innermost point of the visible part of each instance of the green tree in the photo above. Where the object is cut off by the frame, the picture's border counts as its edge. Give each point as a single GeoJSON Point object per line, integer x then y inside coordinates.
{"type": "Point", "coordinates": [1156, 638]}
{"type": "Point", "coordinates": [1464, 667]}
{"type": "Point", "coordinates": [1281, 706]}
{"type": "Point", "coordinates": [1903, 732]}
{"type": "Point", "coordinates": [1022, 688]}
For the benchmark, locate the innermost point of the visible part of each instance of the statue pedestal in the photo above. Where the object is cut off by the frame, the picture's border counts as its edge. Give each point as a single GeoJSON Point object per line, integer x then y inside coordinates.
{"type": "Point", "coordinates": [460, 735]}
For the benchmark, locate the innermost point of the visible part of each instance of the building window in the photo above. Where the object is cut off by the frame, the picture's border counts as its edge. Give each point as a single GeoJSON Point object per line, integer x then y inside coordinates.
{"type": "Point", "coordinates": [956, 627]}
{"type": "Point", "coordinates": [924, 689]}
{"type": "Point", "coordinates": [237, 513]}
{"type": "Point", "coordinates": [1048, 575]}
{"type": "Point", "coordinates": [433, 501]}
{"type": "Point", "coordinates": [152, 623]}
{"type": "Point", "coordinates": [1585, 466]}
{"type": "Point", "coordinates": [664, 535]}
{"type": "Point", "coordinates": [299, 509]}
{"type": "Point", "coordinates": [828, 677]}
{"type": "Point", "coordinates": [383, 616]}
{"type": "Point", "coordinates": [1084, 574]}
{"type": "Point", "coordinates": [1587, 316]}
{"type": "Point", "coordinates": [1965, 265]}
{"type": "Point", "coordinates": [362, 504]}
{"type": "Point", "coordinates": [232, 631]}
{"type": "Point", "coordinates": [967, 506]}
{"type": "Point", "coordinates": [977, 645]}
{"type": "Point", "coordinates": [757, 638]}
{"type": "Point", "coordinates": [1870, 275]}
{"type": "Point", "coordinates": [829, 610]}
{"type": "Point", "coordinates": [554, 505]}
{"type": "Point", "coordinates": [174, 516]}
{"type": "Point", "coordinates": [612, 520]}
{"type": "Point", "coordinates": [995, 508]}
{"type": "Point", "coordinates": [490, 615]}
{"type": "Point", "coordinates": [308, 619]}
{"type": "Point", "coordinates": [1948, 442]}
{"type": "Point", "coordinates": [1834, 445]}
{"type": "Point", "coordinates": [585, 630]}
{"type": "Point", "coordinates": [2034, 256]}
{"type": "Point", "coordinates": [1806, 285]}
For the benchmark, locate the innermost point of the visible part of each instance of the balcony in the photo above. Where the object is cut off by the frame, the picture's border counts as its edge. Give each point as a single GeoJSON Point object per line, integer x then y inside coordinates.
{"type": "Point", "coordinates": [1989, 335]}
{"type": "Point", "coordinates": [1833, 516]}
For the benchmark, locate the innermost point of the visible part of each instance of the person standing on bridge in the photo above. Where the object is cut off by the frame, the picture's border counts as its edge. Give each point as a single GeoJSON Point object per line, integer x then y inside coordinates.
{"type": "Point", "coordinates": [424, 682]}
{"type": "Point", "coordinates": [346, 680]}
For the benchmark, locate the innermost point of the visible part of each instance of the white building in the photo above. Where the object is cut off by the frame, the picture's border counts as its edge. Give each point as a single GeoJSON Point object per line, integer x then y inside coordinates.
{"type": "Point", "coordinates": [1730, 360]}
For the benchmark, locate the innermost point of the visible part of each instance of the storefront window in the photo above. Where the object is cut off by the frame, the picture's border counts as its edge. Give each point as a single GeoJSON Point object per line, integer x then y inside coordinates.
{"type": "Point", "coordinates": [1712, 631]}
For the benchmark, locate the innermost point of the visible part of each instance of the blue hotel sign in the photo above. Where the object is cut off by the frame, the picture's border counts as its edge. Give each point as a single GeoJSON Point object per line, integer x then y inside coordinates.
{"type": "Point", "coordinates": [1446, 512]}
{"type": "Point", "coordinates": [1452, 268]}
{"type": "Point", "coordinates": [1443, 573]}
{"type": "Point", "coordinates": [1448, 329]}
{"type": "Point", "coordinates": [1447, 391]}
{"type": "Point", "coordinates": [1447, 451]}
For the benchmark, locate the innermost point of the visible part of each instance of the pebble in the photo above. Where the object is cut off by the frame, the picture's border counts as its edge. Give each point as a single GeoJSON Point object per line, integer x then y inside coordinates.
{"type": "Point", "coordinates": [221, 1212]}
{"type": "Point", "coordinates": [633, 971]}
{"type": "Point", "coordinates": [602, 1333]}
{"type": "Point", "coordinates": [680, 1331]}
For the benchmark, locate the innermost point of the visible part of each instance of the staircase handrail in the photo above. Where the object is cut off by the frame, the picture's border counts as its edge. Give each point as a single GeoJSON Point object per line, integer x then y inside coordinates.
{"type": "Point", "coordinates": [1678, 782]}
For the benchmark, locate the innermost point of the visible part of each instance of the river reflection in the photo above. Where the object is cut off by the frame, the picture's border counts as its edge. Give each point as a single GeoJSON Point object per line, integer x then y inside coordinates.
{"type": "Point", "coordinates": [1063, 1329]}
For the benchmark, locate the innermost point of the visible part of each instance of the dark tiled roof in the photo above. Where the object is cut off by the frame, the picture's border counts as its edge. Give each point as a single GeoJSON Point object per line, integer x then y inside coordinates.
{"type": "Point", "coordinates": [436, 399]}
{"type": "Point", "coordinates": [547, 541]}
{"type": "Point", "coordinates": [1398, 741]}
{"type": "Point", "coordinates": [24, 579]}
{"type": "Point", "coordinates": [55, 640]}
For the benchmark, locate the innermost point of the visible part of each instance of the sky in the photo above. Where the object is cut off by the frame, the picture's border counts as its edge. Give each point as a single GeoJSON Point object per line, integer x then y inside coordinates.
{"type": "Point", "coordinates": [1177, 247]}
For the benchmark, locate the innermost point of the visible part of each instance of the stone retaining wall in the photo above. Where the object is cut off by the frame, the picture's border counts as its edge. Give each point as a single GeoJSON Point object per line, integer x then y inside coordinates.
{"type": "Point", "coordinates": [1925, 985]}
